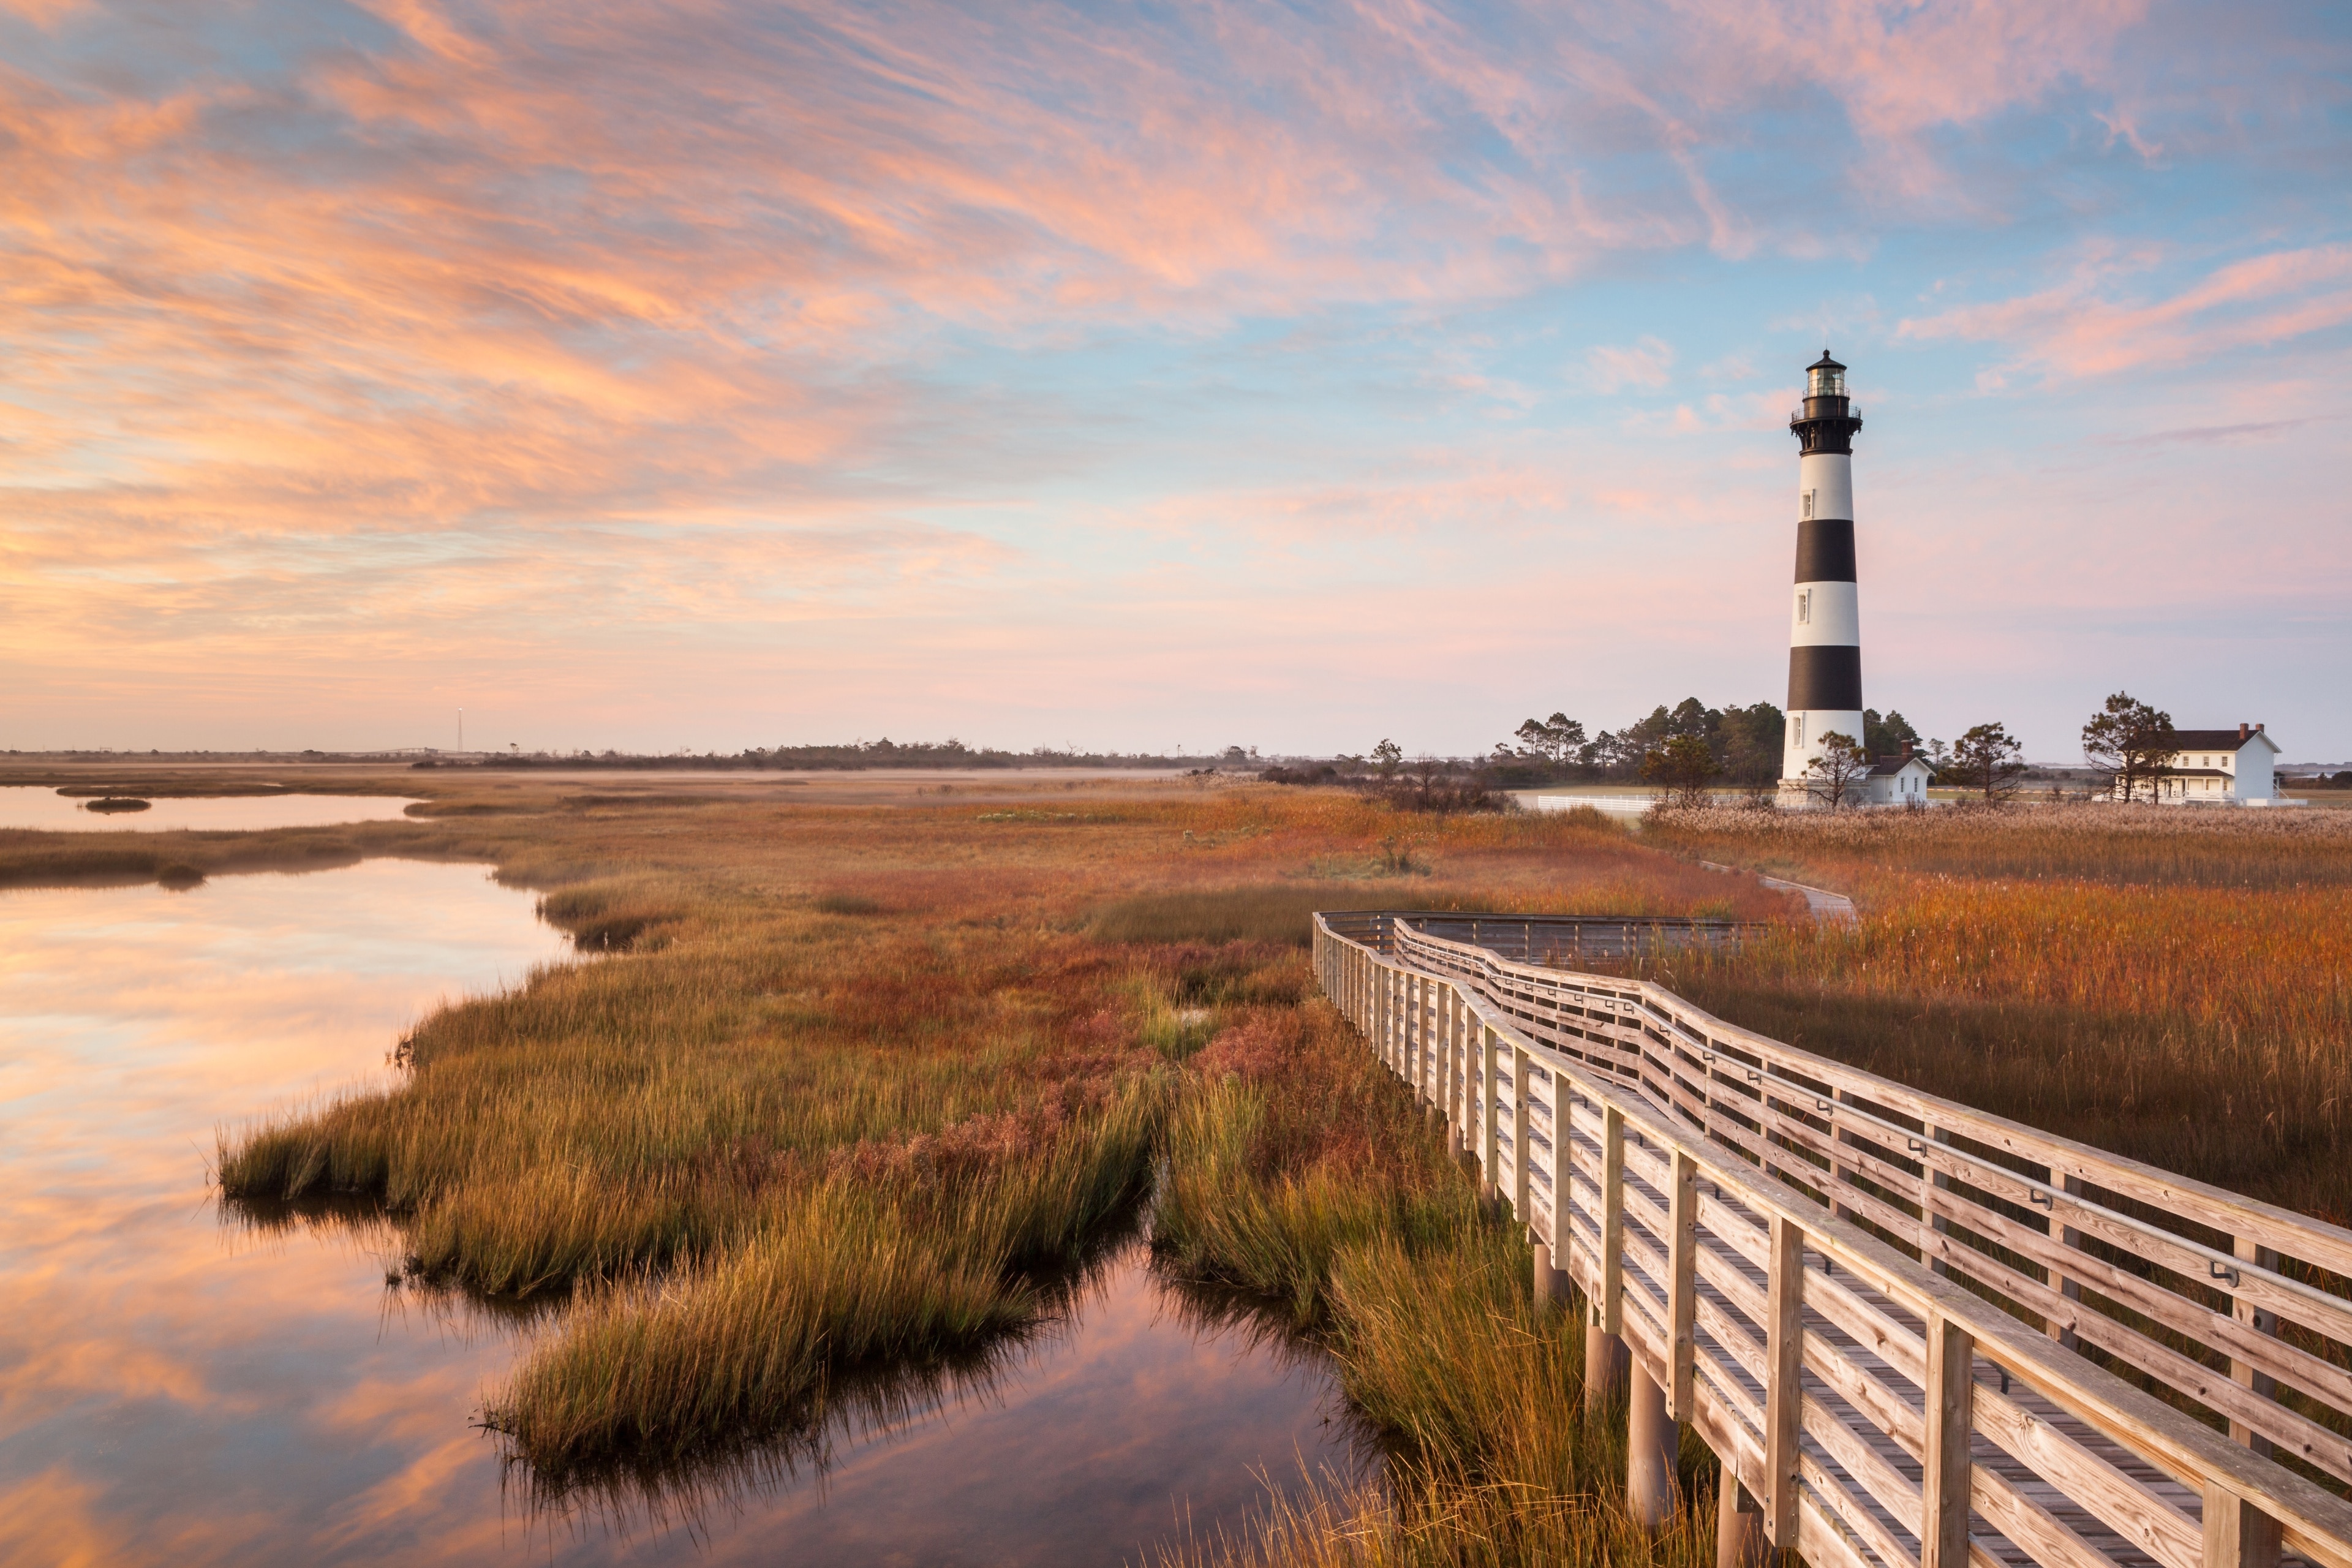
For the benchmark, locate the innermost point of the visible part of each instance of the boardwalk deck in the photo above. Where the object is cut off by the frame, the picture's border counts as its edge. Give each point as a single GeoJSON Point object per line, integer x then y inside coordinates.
{"type": "Point", "coordinates": [2133, 1370]}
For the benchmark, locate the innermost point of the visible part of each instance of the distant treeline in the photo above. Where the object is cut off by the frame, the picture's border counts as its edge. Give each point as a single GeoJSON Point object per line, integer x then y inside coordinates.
{"type": "Point", "coordinates": [1745, 743]}
{"type": "Point", "coordinates": [858, 754]}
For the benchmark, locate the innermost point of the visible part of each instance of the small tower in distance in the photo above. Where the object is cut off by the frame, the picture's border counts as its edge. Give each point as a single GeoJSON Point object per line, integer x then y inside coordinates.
{"type": "Point", "coordinates": [1826, 616]}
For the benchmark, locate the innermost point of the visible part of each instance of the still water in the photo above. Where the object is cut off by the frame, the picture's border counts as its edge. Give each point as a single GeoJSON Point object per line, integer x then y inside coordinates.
{"type": "Point", "coordinates": [32, 806]}
{"type": "Point", "coordinates": [180, 1386]}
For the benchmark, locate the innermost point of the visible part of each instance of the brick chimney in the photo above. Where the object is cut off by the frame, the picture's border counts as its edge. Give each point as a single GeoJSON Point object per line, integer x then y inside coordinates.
{"type": "Point", "coordinates": [1906, 751]}
{"type": "Point", "coordinates": [2242, 732]}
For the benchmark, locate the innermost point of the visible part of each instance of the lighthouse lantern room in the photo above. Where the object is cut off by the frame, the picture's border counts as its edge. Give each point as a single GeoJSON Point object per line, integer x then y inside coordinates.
{"type": "Point", "coordinates": [1825, 616]}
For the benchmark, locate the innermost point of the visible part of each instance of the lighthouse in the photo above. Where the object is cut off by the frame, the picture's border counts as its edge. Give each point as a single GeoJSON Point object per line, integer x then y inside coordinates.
{"type": "Point", "coordinates": [1825, 617]}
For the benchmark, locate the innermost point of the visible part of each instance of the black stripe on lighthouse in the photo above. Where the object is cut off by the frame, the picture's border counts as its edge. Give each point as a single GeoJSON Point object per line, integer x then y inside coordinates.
{"type": "Point", "coordinates": [1823, 678]}
{"type": "Point", "coordinates": [1825, 549]}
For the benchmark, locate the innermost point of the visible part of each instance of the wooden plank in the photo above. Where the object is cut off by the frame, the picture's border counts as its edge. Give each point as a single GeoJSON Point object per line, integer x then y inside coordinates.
{"type": "Point", "coordinates": [1490, 1152]}
{"type": "Point", "coordinates": [1885, 1485]}
{"type": "Point", "coordinates": [1681, 1283]}
{"type": "Point", "coordinates": [1522, 1124]}
{"type": "Point", "coordinates": [2318, 1445]}
{"type": "Point", "coordinates": [1820, 1542]}
{"type": "Point", "coordinates": [2239, 1336]}
{"type": "Point", "coordinates": [2119, 1502]}
{"type": "Point", "coordinates": [1886, 1408]}
{"type": "Point", "coordinates": [1899, 1497]}
{"type": "Point", "coordinates": [2031, 1525]}
{"type": "Point", "coordinates": [1612, 1219]}
{"type": "Point", "coordinates": [1784, 1346]}
{"type": "Point", "coordinates": [1945, 1481]}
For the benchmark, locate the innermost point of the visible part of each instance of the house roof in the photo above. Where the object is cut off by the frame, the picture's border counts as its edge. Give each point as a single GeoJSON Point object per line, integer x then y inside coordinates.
{"type": "Point", "coordinates": [1885, 765]}
{"type": "Point", "coordinates": [2218, 740]}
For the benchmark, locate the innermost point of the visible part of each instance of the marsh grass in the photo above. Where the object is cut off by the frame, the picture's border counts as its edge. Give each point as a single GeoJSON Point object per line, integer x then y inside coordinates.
{"type": "Point", "coordinates": [915, 1264]}
{"type": "Point", "coordinates": [1299, 1171]}
{"type": "Point", "coordinates": [2200, 1028]}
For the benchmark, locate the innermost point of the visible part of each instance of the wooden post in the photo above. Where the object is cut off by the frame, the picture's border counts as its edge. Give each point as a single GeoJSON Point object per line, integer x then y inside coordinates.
{"type": "Point", "coordinates": [1841, 1173]}
{"type": "Point", "coordinates": [1547, 1278]}
{"type": "Point", "coordinates": [1522, 1132]}
{"type": "Point", "coordinates": [2065, 1285]}
{"type": "Point", "coordinates": [1738, 1527]}
{"type": "Point", "coordinates": [1457, 1045]}
{"type": "Point", "coordinates": [1563, 1184]}
{"type": "Point", "coordinates": [1612, 1220]}
{"type": "Point", "coordinates": [1489, 1115]}
{"type": "Point", "coordinates": [1682, 1290]}
{"type": "Point", "coordinates": [1935, 1178]}
{"type": "Point", "coordinates": [1651, 1444]}
{"type": "Point", "coordinates": [1943, 1485]}
{"type": "Point", "coordinates": [1784, 1355]}
{"type": "Point", "coordinates": [1608, 1360]}
{"type": "Point", "coordinates": [2237, 1534]}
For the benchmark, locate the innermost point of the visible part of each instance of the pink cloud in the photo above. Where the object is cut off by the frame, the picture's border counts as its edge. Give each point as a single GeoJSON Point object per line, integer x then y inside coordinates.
{"type": "Point", "coordinates": [2081, 328]}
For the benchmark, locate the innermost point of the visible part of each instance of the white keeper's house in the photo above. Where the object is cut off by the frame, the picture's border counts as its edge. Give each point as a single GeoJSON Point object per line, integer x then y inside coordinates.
{"type": "Point", "coordinates": [1898, 781]}
{"type": "Point", "coordinates": [2221, 767]}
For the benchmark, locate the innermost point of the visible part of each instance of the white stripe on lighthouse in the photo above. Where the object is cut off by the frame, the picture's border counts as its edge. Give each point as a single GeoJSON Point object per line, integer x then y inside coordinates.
{"type": "Point", "coordinates": [1825, 615]}
{"type": "Point", "coordinates": [1828, 478]}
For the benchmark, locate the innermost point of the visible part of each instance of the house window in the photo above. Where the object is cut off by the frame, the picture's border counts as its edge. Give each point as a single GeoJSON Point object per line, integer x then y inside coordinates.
{"type": "Point", "coordinates": [1804, 606]}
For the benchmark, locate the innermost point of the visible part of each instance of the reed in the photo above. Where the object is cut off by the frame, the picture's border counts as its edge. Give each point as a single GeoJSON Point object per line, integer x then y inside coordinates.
{"type": "Point", "coordinates": [909, 1260]}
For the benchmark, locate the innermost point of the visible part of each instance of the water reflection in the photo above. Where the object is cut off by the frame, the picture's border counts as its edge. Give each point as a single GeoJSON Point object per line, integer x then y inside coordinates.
{"type": "Point", "coordinates": [40, 806]}
{"type": "Point", "coordinates": [1136, 1410]}
{"type": "Point", "coordinates": [177, 1388]}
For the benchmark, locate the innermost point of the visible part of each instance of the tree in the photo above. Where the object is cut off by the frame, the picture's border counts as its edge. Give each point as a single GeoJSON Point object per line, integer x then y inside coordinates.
{"type": "Point", "coordinates": [2132, 741]}
{"type": "Point", "coordinates": [1885, 736]}
{"type": "Point", "coordinates": [1750, 748]}
{"type": "Point", "coordinates": [1386, 756]}
{"type": "Point", "coordinates": [1837, 774]}
{"type": "Point", "coordinates": [1681, 769]}
{"type": "Point", "coordinates": [1555, 739]}
{"type": "Point", "coordinates": [1989, 760]}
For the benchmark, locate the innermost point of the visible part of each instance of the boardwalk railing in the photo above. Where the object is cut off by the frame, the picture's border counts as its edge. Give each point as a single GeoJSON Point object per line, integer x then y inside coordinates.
{"type": "Point", "coordinates": [1917, 1335]}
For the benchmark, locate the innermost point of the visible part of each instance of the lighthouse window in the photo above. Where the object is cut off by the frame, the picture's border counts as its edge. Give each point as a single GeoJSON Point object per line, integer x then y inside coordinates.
{"type": "Point", "coordinates": [1805, 606]}
{"type": "Point", "coordinates": [1809, 504]}
{"type": "Point", "coordinates": [1798, 724]}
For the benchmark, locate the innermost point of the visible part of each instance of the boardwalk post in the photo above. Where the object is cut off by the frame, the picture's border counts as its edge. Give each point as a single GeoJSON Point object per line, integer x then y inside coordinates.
{"type": "Point", "coordinates": [1738, 1527]}
{"type": "Point", "coordinates": [1936, 1223]}
{"type": "Point", "coordinates": [1784, 1353]}
{"type": "Point", "coordinates": [1607, 1360]}
{"type": "Point", "coordinates": [2237, 1534]}
{"type": "Point", "coordinates": [1682, 1271]}
{"type": "Point", "coordinates": [2066, 1285]}
{"type": "Point", "coordinates": [1523, 1068]}
{"type": "Point", "coordinates": [1652, 1443]}
{"type": "Point", "coordinates": [1456, 1013]}
{"type": "Point", "coordinates": [1489, 1116]}
{"type": "Point", "coordinates": [1944, 1484]}
{"type": "Point", "coordinates": [1841, 1173]}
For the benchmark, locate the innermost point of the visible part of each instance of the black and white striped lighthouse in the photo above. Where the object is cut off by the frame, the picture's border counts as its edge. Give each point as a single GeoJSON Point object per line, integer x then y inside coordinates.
{"type": "Point", "coordinates": [1825, 620]}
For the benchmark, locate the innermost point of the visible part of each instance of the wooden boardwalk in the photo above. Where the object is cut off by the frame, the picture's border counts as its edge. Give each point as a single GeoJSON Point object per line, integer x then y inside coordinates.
{"type": "Point", "coordinates": [2127, 1368]}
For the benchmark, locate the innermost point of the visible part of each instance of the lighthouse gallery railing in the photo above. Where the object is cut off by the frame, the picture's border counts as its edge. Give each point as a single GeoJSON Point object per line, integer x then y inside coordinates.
{"type": "Point", "coordinates": [1875, 1304]}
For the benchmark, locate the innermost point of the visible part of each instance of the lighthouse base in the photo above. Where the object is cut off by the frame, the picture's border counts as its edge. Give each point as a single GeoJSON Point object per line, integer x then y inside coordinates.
{"type": "Point", "coordinates": [1812, 794]}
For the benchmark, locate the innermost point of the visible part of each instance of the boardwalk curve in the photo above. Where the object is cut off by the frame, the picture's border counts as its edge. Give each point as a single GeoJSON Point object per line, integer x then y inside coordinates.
{"type": "Point", "coordinates": [1917, 1335]}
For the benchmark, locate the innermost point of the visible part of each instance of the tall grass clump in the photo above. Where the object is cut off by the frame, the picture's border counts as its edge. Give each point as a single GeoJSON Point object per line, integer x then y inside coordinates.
{"type": "Point", "coordinates": [893, 1258]}
{"type": "Point", "coordinates": [1298, 1170]}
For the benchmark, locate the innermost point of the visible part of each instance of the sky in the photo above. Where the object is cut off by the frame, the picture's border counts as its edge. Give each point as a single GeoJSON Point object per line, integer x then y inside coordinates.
{"type": "Point", "coordinates": [702, 374]}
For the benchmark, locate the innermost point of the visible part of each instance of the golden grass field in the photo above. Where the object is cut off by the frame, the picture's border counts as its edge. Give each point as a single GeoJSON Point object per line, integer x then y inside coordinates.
{"type": "Point", "coordinates": [862, 1063]}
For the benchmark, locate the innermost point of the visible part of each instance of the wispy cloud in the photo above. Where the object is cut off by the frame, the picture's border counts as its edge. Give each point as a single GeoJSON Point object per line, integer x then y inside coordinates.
{"type": "Point", "coordinates": [2091, 325]}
